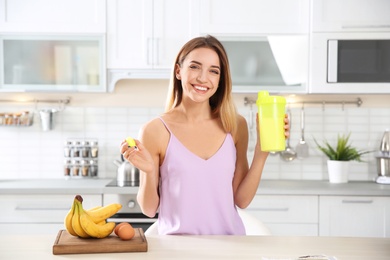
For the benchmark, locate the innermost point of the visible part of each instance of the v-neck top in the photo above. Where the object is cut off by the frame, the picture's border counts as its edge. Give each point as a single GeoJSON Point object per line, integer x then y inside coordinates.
{"type": "Point", "coordinates": [196, 195]}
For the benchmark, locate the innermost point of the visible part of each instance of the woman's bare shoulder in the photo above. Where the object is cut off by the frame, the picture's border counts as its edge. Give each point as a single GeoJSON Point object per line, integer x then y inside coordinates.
{"type": "Point", "coordinates": [242, 129]}
{"type": "Point", "coordinates": [241, 120]}
{"type": "Point", "coordinates": [152, 128]}
{"type": "Point", "coordinates": [242, 124]}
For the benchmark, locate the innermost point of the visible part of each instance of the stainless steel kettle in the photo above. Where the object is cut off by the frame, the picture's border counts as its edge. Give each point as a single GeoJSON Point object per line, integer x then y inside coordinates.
{"type": "Point", "coordinates": [385, 143]}
{"type": "Point", "coordinates": [383, 157]}
{"type": "Point", "coordinates": [127, 174]}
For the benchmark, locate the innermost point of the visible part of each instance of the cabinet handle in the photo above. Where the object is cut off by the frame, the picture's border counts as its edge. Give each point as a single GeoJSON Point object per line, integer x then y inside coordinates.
{"type": "Point", "coordinates": [156, 52]}
{"type": "Point", "coordinates": [149, 46]}
{"type": "Point", "coordinates": [38, 208]}
{"type": "Point", "coordinates": [269, 209]}
{"type": "Point", "coordinates": [358, 201]}
{"type": "Point", "coordinates": [365, 26]}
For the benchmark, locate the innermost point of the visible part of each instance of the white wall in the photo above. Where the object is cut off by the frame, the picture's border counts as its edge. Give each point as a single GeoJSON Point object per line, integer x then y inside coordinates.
{"type": "Point", "coordinates": [28, 152]}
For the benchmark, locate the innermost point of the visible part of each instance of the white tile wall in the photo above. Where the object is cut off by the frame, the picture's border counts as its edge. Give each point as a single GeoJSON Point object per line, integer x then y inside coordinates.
{"type": "Point", "coordinates": [366, 126]}
{"type": "Point", "coordinates": [28, 152]}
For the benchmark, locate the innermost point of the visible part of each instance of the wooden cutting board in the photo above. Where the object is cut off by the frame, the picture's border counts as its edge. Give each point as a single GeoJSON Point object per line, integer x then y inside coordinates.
{"type": "Point", "coordinates": [68, 244]}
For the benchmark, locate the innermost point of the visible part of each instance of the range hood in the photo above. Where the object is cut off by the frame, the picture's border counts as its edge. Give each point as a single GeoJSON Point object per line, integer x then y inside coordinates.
{"type": "Point", "coordinates": [274, 63]}
{"type": "Point", "coordinates": [114, 75]}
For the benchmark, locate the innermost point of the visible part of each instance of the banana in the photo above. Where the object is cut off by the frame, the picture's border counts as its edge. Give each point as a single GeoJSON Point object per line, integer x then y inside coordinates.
{"type": "Point", "coordinates": [76, 222]}
{"type": "Point", "coordinates": [105, 212]}
{"type": "Point", "coordinates": [92, 222]}
{"type": "Point", "coordinates": [94, 208]}
{"type": "Point", "coordinates": [68, 220]}
{"type": "Point", "coordinates": [101, 223]}
{"type": "Point", "coordinates": [93, 229]}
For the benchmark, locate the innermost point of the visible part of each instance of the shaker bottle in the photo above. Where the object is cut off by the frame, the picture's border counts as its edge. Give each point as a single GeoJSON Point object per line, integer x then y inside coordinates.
{"type": "Point", "coordinates": [271, 112]}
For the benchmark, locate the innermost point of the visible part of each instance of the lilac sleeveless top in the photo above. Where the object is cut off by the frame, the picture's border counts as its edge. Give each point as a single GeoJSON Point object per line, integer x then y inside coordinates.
{"type": "Point", "coordinates": [196, 195]}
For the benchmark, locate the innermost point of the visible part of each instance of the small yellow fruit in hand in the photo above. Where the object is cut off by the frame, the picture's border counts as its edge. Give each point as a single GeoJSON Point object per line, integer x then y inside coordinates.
{"type": "Point", "coordinates": [130, 141]}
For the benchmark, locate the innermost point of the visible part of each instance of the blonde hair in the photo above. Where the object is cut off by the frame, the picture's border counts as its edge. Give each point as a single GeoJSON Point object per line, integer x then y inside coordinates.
{"type": "Point", "coordinates": [221, 102]}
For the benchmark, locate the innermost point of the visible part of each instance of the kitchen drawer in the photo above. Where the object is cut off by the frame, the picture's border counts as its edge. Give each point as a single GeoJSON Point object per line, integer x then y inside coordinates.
{"type": "Point", "coordinates": [293, 229]}
{"type": "Point", "coordinates": [19, 208]}
{"type": "Point", "coordinates": [285, 209]}
{"type": "Point", "coordinates": [354, 216]}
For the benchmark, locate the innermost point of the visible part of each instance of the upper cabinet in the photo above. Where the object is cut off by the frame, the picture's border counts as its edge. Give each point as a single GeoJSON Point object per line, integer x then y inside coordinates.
{"type": "Point", "coordinates": [350, 16]}
{"type": "Point", "coordinates": [220, 17]}
{"type": "Point", "coordinates": [52, 63]}
{"type": "Point", "coordinates": [266, 41]}
{"type": "Point", "coordinates": [52, 16]}
{"type": "Point", "coordinates": [144, 37]}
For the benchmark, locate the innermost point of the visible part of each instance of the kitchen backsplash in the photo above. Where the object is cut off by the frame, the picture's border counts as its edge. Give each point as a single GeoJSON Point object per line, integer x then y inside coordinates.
{"type": "Point", "coordinates": [29, 153]}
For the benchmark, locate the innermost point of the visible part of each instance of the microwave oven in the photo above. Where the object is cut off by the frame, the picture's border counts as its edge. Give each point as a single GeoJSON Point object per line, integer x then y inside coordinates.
{"type": "Point", "coordinates": [350, 63]}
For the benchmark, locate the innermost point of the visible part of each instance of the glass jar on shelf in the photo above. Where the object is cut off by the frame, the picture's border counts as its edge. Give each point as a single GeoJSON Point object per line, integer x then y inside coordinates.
{"type": "Point", "coordinates": [26, 118]}
{"type": "Point", "coordinates": [8, 119]}
{"type": "Point", "coordinates": [75, 168]}
{"type": "Point", "coordinates": [16, 117]}
{"type": "Point", "coordinates": [76, 149]}
{"type": "Point", "coordinates": [93, 168]}
{"type": "Point", "coordinates": [84, 165]}
{"type": "Point", "coordinates": [85, 149]}
{"type": "Point", "coordinates": [94, 149]}
{"type": "Point", "coordinates": [67, 168]}
{"type": "Point", "coordinates": [67, 148]}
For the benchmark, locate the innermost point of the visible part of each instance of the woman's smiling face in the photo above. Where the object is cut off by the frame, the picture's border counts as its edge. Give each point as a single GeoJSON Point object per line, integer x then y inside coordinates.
{"type": "Point", "coordinates": [199, 74]}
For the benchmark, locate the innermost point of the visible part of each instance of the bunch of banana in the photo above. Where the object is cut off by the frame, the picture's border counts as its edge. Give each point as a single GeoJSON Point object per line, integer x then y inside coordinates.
{"type": "Point", "coordinates": [90, 223]}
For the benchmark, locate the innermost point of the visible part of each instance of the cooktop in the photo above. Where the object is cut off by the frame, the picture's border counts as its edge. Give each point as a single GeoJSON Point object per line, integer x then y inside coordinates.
{"type": "Point", "coordinates": [115, 183]}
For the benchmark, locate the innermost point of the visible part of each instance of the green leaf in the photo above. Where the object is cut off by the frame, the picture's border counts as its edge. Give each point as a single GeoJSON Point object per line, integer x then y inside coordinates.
{"type": "Point", "coordinates": [343, 150]}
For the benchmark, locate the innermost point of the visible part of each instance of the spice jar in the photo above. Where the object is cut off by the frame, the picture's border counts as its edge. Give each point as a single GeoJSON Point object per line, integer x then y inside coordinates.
{"type": "Point", "coordinates": [67, 167]}
{"type": "Point", "coordinates": [93, 168]}
{"type": "Point", "coordinates": [25, 118]}
{"type": "Point", "coordinates": [94, 149]}
{"type": "Point", "coordinates": [85, 149]}
{"type": "Point", "coordinates": [67, 148]}
{"type": "Point", "coordinates": [8, 119]}
{"type": "Point", "coordinates": [75, 168]}
{"type": "Point", "coordinates": [76, 149]}
{"type": "Point", "coordinates": [84, 168]}
{"type": "Point", "coordinates": [16, 118]}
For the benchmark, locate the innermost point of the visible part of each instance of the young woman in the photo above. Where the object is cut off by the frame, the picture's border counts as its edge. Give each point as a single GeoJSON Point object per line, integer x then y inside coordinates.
{"type": "Point", "coordinates": [193, 158]}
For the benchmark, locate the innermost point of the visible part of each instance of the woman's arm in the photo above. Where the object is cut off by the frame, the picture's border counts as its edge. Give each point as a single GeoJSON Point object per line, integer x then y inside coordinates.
{"type": "Point", "coordinates": [246, 179]}
{"type": "Point", "coordinates": [147, 159]}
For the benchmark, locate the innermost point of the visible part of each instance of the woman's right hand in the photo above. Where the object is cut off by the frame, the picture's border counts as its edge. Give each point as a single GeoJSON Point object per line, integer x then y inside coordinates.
{"type": "Point", "coordinates": [139, 156]}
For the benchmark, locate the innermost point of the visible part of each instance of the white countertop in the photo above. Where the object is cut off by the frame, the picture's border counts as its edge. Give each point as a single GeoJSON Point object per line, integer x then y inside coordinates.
{"type": "Point", "coordinates": [210, 247]}
{"type": "Point", "coordinates": [266, 187]}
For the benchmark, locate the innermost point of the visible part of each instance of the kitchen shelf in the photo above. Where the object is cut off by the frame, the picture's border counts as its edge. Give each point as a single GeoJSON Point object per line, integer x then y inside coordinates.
{"type": "Point", "coordinates": [58, 101]}
{"type": "Point", "coordinates": [18, 119]}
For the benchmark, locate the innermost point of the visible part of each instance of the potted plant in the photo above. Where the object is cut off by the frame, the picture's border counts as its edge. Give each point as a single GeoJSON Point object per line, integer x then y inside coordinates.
{"type": "Point", "coordinates": [339, 157]}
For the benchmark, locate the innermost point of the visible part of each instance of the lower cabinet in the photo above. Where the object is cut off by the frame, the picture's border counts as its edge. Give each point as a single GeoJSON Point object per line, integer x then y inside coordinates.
{"type": "Point", "coordinates": [354, 216]}
{"type": "Point", "coordinates": [343, 216]}
{"type": "Point", "coordinates": [287, 215]}
{"type": "Point", "coordinates": [38, 214]}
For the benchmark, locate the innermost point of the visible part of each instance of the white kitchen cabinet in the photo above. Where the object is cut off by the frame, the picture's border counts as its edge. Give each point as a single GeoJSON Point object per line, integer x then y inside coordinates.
{"type": "Point", "coordinates": [146, 34]}
{"type": "Point", "coordinates": [53, 63]}
{"type": "Point", "coordinates": [354, 216]}
{"type": "Point", "coordinates": [350, 15]}
{"type": "Point", "coordinates": [251, 17]}
{"type": "Point", "coordinates": [287, 215]}
{"type": "Point", "coordinates": [52, 16]}
{"type": "Point", "coordinates": [44, 214]}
